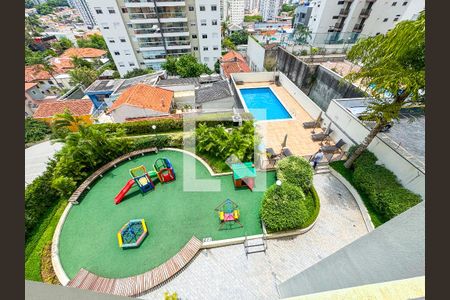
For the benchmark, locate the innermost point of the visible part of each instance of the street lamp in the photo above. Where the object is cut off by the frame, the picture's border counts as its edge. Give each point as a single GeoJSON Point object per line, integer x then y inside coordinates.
{"type": "Point", "coordinates": [154, 128]}
{"type": "Point", "coordinates": [278, 182]}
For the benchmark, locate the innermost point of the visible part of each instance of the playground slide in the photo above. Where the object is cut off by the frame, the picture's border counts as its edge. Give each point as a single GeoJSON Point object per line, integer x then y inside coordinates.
{"type": "Point", "coordinates": [123, 191]}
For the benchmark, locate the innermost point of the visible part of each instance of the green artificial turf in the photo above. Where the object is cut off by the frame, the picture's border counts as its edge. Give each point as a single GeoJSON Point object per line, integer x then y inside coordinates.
{"type": "Point", "coordinates": [172, 214]}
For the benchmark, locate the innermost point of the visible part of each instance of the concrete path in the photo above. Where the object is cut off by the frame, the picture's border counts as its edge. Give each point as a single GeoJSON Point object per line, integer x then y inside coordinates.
{"type": "Point", "coordinates": [226, 273]}
{"type": "Point", "coordinates": [36, 158]}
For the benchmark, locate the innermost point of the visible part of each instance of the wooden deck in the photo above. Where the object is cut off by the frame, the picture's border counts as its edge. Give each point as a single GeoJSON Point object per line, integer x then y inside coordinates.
{"type": "Point", "coordinates": [85, 185]}
{"type": "Point", "coordinates": [136, 285]}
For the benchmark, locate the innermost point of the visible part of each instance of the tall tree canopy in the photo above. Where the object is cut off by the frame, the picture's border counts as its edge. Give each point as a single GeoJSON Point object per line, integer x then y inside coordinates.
{"type": "Point", "coordinates": [185, 66]}
{"type": "Point", "coordinates": [393, 69]}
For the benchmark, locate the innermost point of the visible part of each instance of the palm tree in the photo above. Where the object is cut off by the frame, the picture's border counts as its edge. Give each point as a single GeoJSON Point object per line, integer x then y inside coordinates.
{"type": "Point", "coordinates": [67, 120]}
{"type": "Point", "coordinates": [50, 69]}
{"type": "Point", "coordinates": [393, 63]}
{"type": "Point", "coordinates": [302, 34]}
{"type": "Point", "coordinates": [224, 28]}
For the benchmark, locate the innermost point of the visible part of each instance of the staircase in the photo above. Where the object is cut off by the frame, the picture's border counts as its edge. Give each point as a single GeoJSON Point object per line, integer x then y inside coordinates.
{"type": "Point", "coordinates": [322, 168]}
{"type": "Point", "coordinates": [255, 245]}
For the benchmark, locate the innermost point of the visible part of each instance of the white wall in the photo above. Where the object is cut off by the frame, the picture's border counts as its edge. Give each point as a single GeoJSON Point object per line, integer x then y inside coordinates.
{"type": "Point", "coordinates": [412, 177]}
{"type": "Point", "coordinates": [123, 112]}
{"type": "Point", "coordinates": [213, 32]}
{"type": "Point", "coordinates": [253, 77]}
{"type": "Point", "coordinates": [236, 11]}
{"type": "Point", "coordinates": [255, 55]}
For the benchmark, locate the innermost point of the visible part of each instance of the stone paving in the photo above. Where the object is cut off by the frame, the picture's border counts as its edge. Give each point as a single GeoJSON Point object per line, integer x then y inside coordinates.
{"type": "Point", "coordinates": [226, 272]}
{"type": "Point", "coordinates": [36, 158]}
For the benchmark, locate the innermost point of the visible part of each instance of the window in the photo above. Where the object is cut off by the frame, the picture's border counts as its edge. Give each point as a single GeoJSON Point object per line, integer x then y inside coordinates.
{"type": "Point", "coordinates": [192, 24]}
{"type": "Point", "coordinates": [131, 64]}
{"type": "Point", "coordinates": [41, 82]}
{"type": "Point", "coordinates": [121, 64]}
{"type": "Point", "coordinates": [405, 3]}
{"type": "Point", "coordinates": [98, 10]}
{"type": "Point", "coordinates": [216, 48]}
{"type": "Point", "coordinates": [194, 36]}
{"type": "Point", "coordinates": [394, 3]}
{"type": "Point", "coordinates": [142, 63]}
{"type": "Point", "coordinates": [203, 22]}
{"type": "Point", "coordinates": [122, 40]}
{"type": "Point", "coordinates": [335, 17]}
{"type": "Point", "coordinates": [130, 25]}
{"type": "Point", "coordinates": [33, 92]}
{"type": "Point", "coordinates": [396, 19]}
{"type": "Point", "coordinates": [206, 59]}
{"type": "Point", "coordinates": [202, 8]}
{"type": "Point", "coordinates": [205, 48]}
{"type": "Point", "coordinates": [195, 48]}
{"type": "Point", "coordinates": [116, 53]}
{"type": "Point", "coordinates": [50, 82]}
{"type": "Point", "coordinates": [204, 36]}
{"type": "Point", "coordinates": [191, 8]}
{"type": "Point", "coordinates": [112, 41]}
{"type": "Point", "coordinates": [214, 22]}
{"type": "Point", "coordinates": [385, 19]}
{"type": "Point", "coordinates": [377, 33]}
{"type": "Point", "coordinates": [111, 10]}
{"type": "Point", "coordinates": [213, 7]}
{"type": "Point", "coordinates": [105, 26]}
{"type": "Point", "coordinates": [340, 2]}
{"type": "Point", "coordinates": [124, 10]}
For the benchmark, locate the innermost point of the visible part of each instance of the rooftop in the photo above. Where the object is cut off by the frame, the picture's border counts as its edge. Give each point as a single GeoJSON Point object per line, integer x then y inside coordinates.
{"type": "Point", "coordinates": [62, 63]}
{"type": "Point", "coordinates": [213, 91]}
{"type": "Point", "coordinates": [84, 52]}
{"type": "Point", "coordinates": [232, 56]}
{"type": "Point", "coordinates": [29, 85]}
{"type": "Point", "coordinates": [145, 96]}
{"type": "Point", "coordinates": [36, 73]}
{"type": "Point", "coordinates": [76, 107]}
{"type": "Point", "coordinates": [234, 67]}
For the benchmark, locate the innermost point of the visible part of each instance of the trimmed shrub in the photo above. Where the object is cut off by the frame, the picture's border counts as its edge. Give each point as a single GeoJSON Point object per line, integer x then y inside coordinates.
{"type": "Point", "coordinates": [386, 194]}
{"type": "Point", "coordinates": [35, 130]}
{"type": "Point", "coordinates": [283, 208]}
{"type": "Point", "coordinates": [158, 141]}
{"type": "Point", "coordinates": [297, 171]}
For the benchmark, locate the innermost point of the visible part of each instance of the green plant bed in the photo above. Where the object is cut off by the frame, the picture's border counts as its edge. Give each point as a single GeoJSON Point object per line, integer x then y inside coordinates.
{"type": "Point", "coordinates": [37, 241]}
{"type": "Point", "coordinates": [377, 219]}
{"type": "Point", "coordinates": [312, 203]}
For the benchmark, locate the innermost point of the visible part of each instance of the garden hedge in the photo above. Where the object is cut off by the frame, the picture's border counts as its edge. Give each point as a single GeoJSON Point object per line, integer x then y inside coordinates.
{"type": "Point", "coordinates": [35, 130]}
{"type": "Point", "coordinates": [283, 208]}
{"type": "Point", "coordinates": [386, 194]}
{"type": "Point", "coordinates": [297, 171]}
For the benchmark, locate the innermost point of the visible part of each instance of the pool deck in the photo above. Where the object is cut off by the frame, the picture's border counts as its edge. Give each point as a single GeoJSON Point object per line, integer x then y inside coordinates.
{"type": "Point", "coordinates": [299, 139]}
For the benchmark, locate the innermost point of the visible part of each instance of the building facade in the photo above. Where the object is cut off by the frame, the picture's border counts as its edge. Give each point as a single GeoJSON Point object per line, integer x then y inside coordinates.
{"type": "Point", "coordinates": [236, 11]}
{"type": "Point", "coordinates": [85, 12]}
{"type": "Point", "coordinates": [141, 34]}
{"type": "Point", "coordinates": [269, 9]}
{"type": "Point", "coordinates": [359, 17]}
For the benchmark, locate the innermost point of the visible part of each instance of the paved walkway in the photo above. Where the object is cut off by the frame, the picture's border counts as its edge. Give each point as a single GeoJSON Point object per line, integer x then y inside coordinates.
{"type": "Point", "coordinates": [226, 273]}
{"type": "Point", "coordinates": [36, 158]}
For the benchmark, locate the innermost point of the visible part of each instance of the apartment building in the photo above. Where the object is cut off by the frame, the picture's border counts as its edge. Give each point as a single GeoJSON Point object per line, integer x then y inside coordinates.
{"type": "Point", "coordinates": [141, 34]}
{"type": "Point", "coordinates": [236, 11]}
{"type": "Point", "coordinates": [251, 6]}
{"type": "Point", "coordinates": [84, 10]}
{"type": "Point", "coordinates": [269, 9]}
{"type": "Point", "coordinates": [361, 17]}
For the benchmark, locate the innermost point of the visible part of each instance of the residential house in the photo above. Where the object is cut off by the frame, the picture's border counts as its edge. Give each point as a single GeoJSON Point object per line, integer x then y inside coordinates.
{"type": "Point", "coordinates": [81, 108]}
{"type": "Point", "coordinates": [45, 83]}
{"type": "Point", "coordinates": [141, 101]}
{"type": "Point", "coordinates": [214, 96]}
{"type": "Point", "coordinates": [32, 94]}
{"type": "Point", "coordinates": [233, 62]}
{"type": "Point", "coordinates": [89, 54]}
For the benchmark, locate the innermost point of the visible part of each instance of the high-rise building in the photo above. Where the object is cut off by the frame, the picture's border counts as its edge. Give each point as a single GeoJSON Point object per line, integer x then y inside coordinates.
{"type": "Point", "coordinates": [84, 10]}
{"type": "Point", "coordinates": [363, 17]}
{"type": "Point", "coordinates": [269, 9]}
{"type": "Point", "coordinates": [251, 6]}
{"type": "Point", "coordinates": [141, 33]}
{"type": "Point", "coordinates": [236, 11]}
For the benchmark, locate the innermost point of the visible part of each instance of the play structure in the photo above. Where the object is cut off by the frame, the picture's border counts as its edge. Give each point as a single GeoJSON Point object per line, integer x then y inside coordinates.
{"type": "Point", "coordinates": [244, 174]}
{"type": "Point", "coordinates": [228, 213]}
{"type": "Point", "coordinates": [163, 172]}
{"type": "Point", "coordinates": [132, 234]}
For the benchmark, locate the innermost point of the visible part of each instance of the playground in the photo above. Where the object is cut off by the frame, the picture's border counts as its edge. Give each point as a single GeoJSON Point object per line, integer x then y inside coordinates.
{"type": "Point", "coordinates": [89, 237]}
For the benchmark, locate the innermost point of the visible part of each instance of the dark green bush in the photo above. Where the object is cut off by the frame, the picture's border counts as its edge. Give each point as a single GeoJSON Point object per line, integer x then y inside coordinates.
{"type": "Point", "coordinates": [386, 195]}
{"type": "Point", "coordinates": [158, 141]}
{"type": "Point", "coordinates": [297, 171]}
{"type": "Point", "coordinates": [35, 130]}
{"type": "Point", "coordinates": [283, 208]}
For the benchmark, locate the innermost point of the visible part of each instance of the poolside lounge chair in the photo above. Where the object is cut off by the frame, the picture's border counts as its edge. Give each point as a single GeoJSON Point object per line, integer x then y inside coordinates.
{"type": "Point", "coordinates": [333, 148]}
{"type": "Point", "coordinates": [321, 136]}
{"type": "Point", "coordinates": [313, 124]}
{"type": "Point", "coordinates": [286, 152]}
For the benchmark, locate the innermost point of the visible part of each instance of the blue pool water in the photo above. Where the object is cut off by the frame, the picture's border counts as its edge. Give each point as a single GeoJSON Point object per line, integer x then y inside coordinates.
{"type": "Point", "coordinates": [259, 100]}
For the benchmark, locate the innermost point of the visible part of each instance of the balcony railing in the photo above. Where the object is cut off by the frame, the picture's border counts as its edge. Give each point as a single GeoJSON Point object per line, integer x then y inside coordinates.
{"type": "Point", "coordinates": [337, 26]}
{"type": "Point", "coordinates": [358, 28]}
{"type": "Point", "coordinates": [151, 45]}
{"type": "Point", "coordinates": [365, 13]}
{"type": "Point", "coordinates": [157, 30]}
{"type": "Point", "coordinates": [371, 1]}
{"type": "Point", "coordinates": [344, 12]}
{"type": "Point", "coordinates": [151, 1]}
{"type": "Point", "coordinates": [162, 15]}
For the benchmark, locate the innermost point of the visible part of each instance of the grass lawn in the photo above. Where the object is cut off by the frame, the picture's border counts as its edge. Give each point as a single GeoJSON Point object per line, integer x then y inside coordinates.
{"type": "Point", "coordinates": [172, 213]}
{"type": "Point", "coordinates": [377, 219]}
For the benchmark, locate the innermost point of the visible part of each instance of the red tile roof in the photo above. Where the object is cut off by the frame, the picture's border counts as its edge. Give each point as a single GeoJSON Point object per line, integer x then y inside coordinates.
{"type": "Point", "coordinates": [62, 64]}
{"type": "Point", "coordinates": [29, 85]}
{"type": "Point", "coordinates": [233, 56]}
{"type": "Point", "coordinates": [145, 96]}
{"type": "Point", "coordinates": [36, 73]}
{"type": "Point", "coordinates": [84, 52]}
{"type": "Point", "coordinates": [76, 107]}
{"type": "Point", "coordinates": [234, 67]}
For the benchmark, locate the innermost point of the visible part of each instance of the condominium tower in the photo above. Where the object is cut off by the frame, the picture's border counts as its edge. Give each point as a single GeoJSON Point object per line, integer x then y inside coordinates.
{"type": "Point", "coordinates": [84, 10]}
{"type": "Point", "coordinates": [236, 11]}
{"type": "Point", "coordinates": [269, 9]}
{"type": "Point", "coordinates": [142, 33]}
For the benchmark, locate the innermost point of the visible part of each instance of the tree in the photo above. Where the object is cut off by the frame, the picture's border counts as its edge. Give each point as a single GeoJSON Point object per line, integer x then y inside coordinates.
{"type": "Point", "coordinates": [93, 41]}
{"type": "Point", "coordinates": [239, 37]}
{"type": "Point", "coordinates": [187, 66]}
{"type": "Point", "coordinates": [256, 18]}
{"type": "Point", "coordinates": [138, 72]}
{"type": "Point", "coordinates": [287, 7]}
{"type": "Point", "coordinates": [224, 29]}
{"type": "Point", "coordinates": [217, 67]}
{"type": "Point", "coordinates": [62, 45]}
{"type": "Point", "coordinates": [83, 75]}
{"type": "Point", "coordinates": [35, 130]}
{"type": "Point", "coordinates": [170, 65]}
{"type": "Point", "coordinates": [228, 44]}
{"type": "Point", "coordinates": [67, 120]}
{"type": "Point", "coordinates": [44, 9]}
{"type": "Point", "coordinates": [302, 34]}
{"type": "Point", "coordinates": [79, 62]}
{"type": "Point", "coordinates": [393, 63]}
{"type": "Point", "coordinates": [29, 4]}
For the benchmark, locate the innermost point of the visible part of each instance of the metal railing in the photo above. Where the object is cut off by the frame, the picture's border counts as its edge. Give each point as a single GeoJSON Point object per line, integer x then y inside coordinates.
{"type": "Point", "coordinates": [358, 27]}
{"type": "Point", "coordinates": [162, 15]}
{"type": "Point", "coordinates": [365, 12]}
{"type": "Point", "coordinates": [344, 12]}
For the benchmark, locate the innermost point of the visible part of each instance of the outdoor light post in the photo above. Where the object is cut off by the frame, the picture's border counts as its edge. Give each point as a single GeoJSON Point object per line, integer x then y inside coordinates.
{"type": "Point", "coordinates": [154, 128]}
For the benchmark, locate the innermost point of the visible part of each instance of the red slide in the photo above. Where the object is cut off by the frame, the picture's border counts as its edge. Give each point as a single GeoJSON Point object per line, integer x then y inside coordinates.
{"type": "Point", "coordinates": [124, 190]}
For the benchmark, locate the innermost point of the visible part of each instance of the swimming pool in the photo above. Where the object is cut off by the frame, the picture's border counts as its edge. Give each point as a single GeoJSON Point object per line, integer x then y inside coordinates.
{"type": "Point", "coordinates": [264, 104]}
